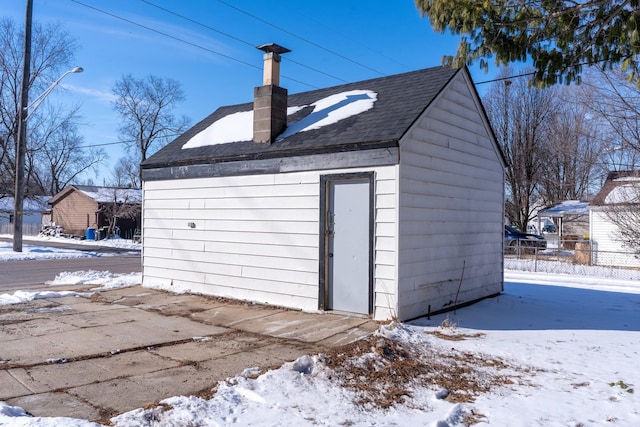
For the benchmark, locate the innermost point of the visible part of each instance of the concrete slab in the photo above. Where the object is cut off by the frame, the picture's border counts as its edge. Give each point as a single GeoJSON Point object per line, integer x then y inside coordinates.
{"type": "Point", "coordinates": [55, 376]}
{"type": "Point", "coordinates": [119, 395]}
{"type": "Point", "coordinates": [184, 380]}
{"type": "Point", "coordinates": [92, 341]}
{"type": "Point", "coordinates": [133, 346]}
{"type": "Point", "coordinates": [269, 356]}
{"type": "Point", "coordinates": [230, 315]}
{"type": "Point", "coordinates": [56, 405]}
{"type": "Point", "coordinates": [350, 335]}
{"type": "Point", "coordinates": [11, 387]}
{"type": "Point", "coordinates": [87, 306]}
{"type": "Point", "coordinates": [138, 299]}
{"type": "Point", "coordinates": [36, 309]}
{"type": "Point", "coordinates": [112, 295]}
{"type": "Point", "coordinates": [83, 319]}
{"type": "Point", "coordinates": [29, 351]}
{"type": "Point", "coordinates": [183, 305]}
{"type": "Point", "coordinates": [181, 381]}
{"type": "Point", "coordinates": [134, 363]}
{"type": "Point", "coordinates": [71, 300]}
{"type": "Point", "coordinates": [301, 326]}
{"type": "Point", "coordinates": [145, 331]}
{"type": "Point", "coordinates": [162, 330]}
{"type": "Point", "coordinates": [32, 328]}
{"type": "Point", "coordinates": [212, 348]}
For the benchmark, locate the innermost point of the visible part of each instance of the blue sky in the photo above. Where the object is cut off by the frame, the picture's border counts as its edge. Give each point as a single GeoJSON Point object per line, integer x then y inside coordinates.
{"type": "Point", "coordinates": [212, 52]}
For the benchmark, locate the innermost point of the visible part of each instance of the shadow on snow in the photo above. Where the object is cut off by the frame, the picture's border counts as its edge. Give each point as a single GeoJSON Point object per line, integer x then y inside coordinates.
{"type": "Point", "coordinates": [524, 306]}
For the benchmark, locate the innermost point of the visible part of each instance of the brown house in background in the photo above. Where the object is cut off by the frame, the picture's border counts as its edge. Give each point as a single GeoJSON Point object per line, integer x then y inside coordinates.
{"type": "Point", "coordinates": [80, 207]}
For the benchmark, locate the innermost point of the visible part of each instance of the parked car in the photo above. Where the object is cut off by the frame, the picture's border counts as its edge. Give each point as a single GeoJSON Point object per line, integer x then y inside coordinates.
{"type": "Point", "coordinates": [514, 239]}
{"type": "Point", "coordinates": [549, 228]}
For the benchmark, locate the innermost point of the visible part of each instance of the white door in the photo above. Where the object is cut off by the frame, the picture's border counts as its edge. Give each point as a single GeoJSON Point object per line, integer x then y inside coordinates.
{"type": "Point", "coordinates": [349, 237]}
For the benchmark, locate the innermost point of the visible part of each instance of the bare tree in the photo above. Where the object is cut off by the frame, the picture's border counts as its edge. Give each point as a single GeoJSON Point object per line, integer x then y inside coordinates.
{"type": "Point", "coordinates": [126, 174]}
{"type": "Point", "coordinates": [572, 151]}
{"type": "Point", "coordinates": [52, 52]}
{"type": "Point", "coordinates": [520, 115]}
{"type": "Point", "coordinates": [146, 107]}
{"type": "Point", "coordinates": [615, 104]}
{"type": "Point", "coordinates": [59, 158]}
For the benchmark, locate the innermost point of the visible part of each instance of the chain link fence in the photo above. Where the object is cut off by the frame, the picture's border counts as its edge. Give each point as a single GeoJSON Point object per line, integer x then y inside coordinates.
{"type": "Point", "coordinates": [573, 256]}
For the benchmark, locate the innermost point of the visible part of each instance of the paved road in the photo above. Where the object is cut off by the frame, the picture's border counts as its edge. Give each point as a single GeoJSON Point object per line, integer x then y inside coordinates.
{"type": "Point", "coordinates": [32, 274]}
{"type": "Point", "coordinates": [75, 246]}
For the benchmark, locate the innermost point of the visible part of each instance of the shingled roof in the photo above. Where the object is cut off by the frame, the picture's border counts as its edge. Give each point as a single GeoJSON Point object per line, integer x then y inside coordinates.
{"type": "Point", "coordinates": [401, 99]}
{"type": "Point", "coordinates": [102, 194]}
{"type": "Point", "coordinates": [619, 187]}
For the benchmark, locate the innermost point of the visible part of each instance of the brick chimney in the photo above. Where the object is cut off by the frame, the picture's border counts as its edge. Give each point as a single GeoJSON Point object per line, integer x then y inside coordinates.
{"type": "Point", "coordinates": [270, 100]}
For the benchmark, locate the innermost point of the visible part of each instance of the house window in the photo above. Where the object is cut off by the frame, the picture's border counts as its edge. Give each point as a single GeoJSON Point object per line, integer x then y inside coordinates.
{"type": "Point", "coordinates": [10, 218]}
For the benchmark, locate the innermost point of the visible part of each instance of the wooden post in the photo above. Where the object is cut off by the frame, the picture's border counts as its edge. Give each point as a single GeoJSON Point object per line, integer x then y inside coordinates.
{"type": "Point", "coordinates": [21, 143]}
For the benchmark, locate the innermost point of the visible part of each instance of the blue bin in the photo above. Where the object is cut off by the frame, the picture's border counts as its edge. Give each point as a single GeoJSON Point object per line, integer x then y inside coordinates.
{"type": "Point", "coordinates": [91, 234]}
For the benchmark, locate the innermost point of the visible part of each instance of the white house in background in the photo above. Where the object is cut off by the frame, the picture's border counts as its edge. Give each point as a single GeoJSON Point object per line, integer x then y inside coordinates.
{"type": "Point", "coordinates": [382, 197]}
{"type": "Point", "coordinates": [621, 191]}
{"type": "Point", "coordinates": [570, 216]}
{"type": "Point", "coordinates": [36, 213]}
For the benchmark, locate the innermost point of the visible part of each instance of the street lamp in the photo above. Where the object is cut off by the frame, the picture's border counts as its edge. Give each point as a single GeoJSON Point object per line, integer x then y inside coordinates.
{"type": "Point", "coordinates": [36, 102]}
{"type": "Point", "coordinates": [21, 148]}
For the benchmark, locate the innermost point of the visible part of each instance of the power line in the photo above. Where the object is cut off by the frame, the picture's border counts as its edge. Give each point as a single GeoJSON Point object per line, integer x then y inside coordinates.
{"type": "Point", "coordinates": [257, 18]}
{"type": "Point", "coordinates": [183, 41]}
{"type": "Point", "coordinates": [237, 38]}
{"type": "Point", "coordinates": [362, 45]}
{"type": "Point", "coordinates": [104, 144]}
{"type": "Point", "coordinates": [498, 79]}
{"type": "Point", "coordinates": [126, 141]}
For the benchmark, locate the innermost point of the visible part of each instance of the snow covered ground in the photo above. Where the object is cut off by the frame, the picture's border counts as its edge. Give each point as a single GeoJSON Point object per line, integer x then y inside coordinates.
{"type": "Point", "coordinates": [34, 248]}
{"type": "Point", "coordinates": [102, 280]}
{"type": "Point", "coordinates": [552, 350]}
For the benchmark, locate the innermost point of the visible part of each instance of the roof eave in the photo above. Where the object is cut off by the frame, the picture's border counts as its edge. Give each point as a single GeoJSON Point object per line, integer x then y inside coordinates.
{"type": "Point", "coordinates": [264, 155]}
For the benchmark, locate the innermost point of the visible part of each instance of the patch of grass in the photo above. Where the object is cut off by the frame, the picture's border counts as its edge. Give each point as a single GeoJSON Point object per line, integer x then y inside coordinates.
{"type": "Point", "coordinates": [624, 386]}
{"type": "Point", "coordinates": [454, 337]}
{"type": "Point", "coordinates": [383, 372]}
{"type": "Point", "coordinates": [578, 385]}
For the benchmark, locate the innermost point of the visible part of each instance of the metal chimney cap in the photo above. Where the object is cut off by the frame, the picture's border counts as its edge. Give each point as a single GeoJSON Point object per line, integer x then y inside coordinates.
{"type": "Point", "coordinates": [273, 47]}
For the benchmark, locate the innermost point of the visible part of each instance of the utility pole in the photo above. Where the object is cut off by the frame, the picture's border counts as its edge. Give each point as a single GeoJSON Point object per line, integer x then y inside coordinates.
{"type": "Point", "coordinates": [21, 143]}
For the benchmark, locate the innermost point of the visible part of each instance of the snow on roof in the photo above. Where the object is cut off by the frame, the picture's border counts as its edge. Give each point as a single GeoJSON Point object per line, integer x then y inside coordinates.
{"type": "Point", "coordinates": [625, 193]}
{"type": "Point", "coordinates": [239, 126]}
{"type": "Point", "coordinates": [619, 187]}
{"type": "Point", "coordinates": [568, 207]}
{"type": "Point", "coordinates": [110, 195]}
{"type": "Point", "coordinates": [31, 204]}
{"type": "Point", "coordinates": [627, 178]}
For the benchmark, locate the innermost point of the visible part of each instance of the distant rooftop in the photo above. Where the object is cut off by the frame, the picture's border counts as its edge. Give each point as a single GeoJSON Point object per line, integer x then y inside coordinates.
{"type": "Point", "coordinates": [566, 208]}
{"type": "Point", "coordinates": [620, 187]}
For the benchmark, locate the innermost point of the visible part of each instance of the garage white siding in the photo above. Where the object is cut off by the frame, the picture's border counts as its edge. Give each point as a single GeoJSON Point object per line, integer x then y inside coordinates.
{"type": "Point", "coordinates": [253, 237]}
{"type": "Point", "coordinates": [607, 249]}
{"type": "Point", "coordinates": [451, 207]}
